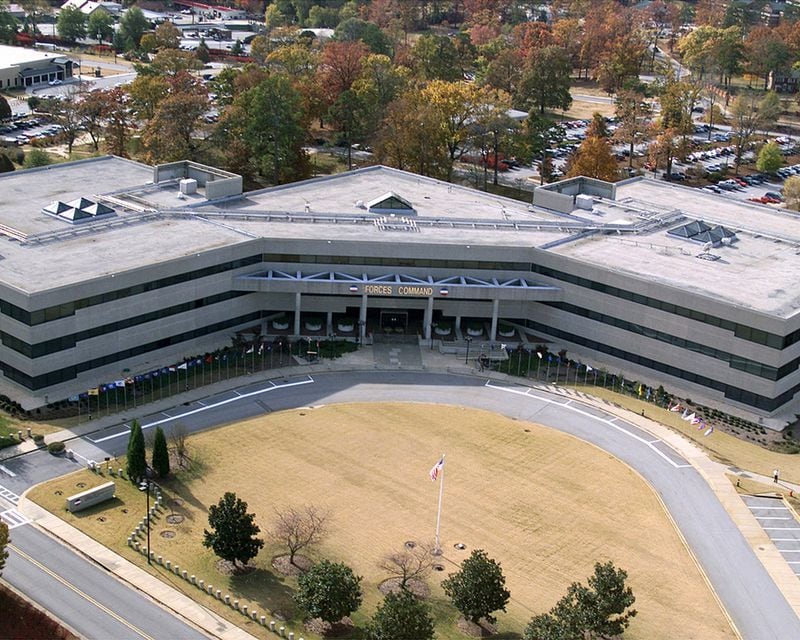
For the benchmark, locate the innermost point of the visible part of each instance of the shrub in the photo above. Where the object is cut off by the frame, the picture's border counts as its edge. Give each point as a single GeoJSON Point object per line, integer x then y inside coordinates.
{"type": "Point", "coordinates": [56, 447]}
{"type": "Point", "coordinates": [38, 438]}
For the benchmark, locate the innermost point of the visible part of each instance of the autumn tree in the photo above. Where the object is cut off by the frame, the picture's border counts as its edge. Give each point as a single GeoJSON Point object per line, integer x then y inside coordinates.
{"type": "Point", "coordinates": [766, 52]}
{"type": "Point", "coordinates": [170, 62]}
{"type": "Point", "coordinates": [233, 530]}
{"type": "Point", "coordinates": [546, 80]}
{"type": "Point", "coordinates": [593, 159]}
{"type": "Point", "coordinates": [146, 93]}
{"type": "Point", "coordinates": [411, 137]}
{"type": "Point", "coordinates": [3, 544]}
{"type": "Point", "coordinates": [378, 84]}
{"type": "Point", "coordinates": [633, 113]}
{"type": "Point", "coordinates": [167, 35]}
{"type": "Point", "coordinates": [339, 67]}
{"type": "Point", "coordinates": [293, 60]}
{"type": "Point", "coordinates": [66, 113]}
{"type": "Point", "coordinates": [117, 121]}
{"type": "Point", "coordinates": [620, 63]}
{"type": "Point", "coordinates": [791, 192]}
{"type": "Point", "coordinates": [749, 113]}
{"type": "Point", "coordinates": [408, 565]}
{"type": "Point", "coordinates": [91, 113]}
{"type": "Point", "coordinates": [300, 528]}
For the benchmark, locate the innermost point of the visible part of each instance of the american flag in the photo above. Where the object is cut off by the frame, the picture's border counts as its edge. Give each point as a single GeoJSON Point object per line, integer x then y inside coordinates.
{"type": "Point", "coordinates": [436, 469]}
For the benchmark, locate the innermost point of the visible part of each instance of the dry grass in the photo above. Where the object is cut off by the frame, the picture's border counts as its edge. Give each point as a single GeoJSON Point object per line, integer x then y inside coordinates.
{"type": "Point", "coordinates": [721, 446]}
{"type": "Point", "coordinates": [547, 506]}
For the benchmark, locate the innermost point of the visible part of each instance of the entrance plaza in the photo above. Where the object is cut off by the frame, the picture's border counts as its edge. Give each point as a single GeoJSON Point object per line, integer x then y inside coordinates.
{"type": "Point", "coordinates": [111, 268]}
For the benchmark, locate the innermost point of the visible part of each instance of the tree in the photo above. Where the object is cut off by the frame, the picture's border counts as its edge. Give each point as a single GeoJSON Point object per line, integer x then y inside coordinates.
{"type": "Point", "coordinates": [436, 58]}
{"type": "Point", "coordinates": [91, 111]}
{"type": "Point", "coordinates": [146, 93]}
{"type": "Point", "coordinates": [170, 62]}
{"type": "Point", "coordinates": [354, 30]}
{"type": "Point", "coordinates": [8, 26]}
{"type": "Point", "coordinates": [540, 134]}
{"type": "Point", "coordinates": [178, 437]}
{"type": "Point", "coordinates": [408, 565]}
{"type": "Point", "coordinates": [401, 617]}
{"type": "Point", "coordinates": [136, 463]}
{"type": "Point", "coordinates": [117, 120]}
{"type": "Point", "coordinates": [100, 25]}
{"type": "Point", "coordinates": [766, 52]}
{"type": "Point", "coordinates": [269, 119]}
{"type": "Point", "coordinates": [340, 66]}
{"type": "Point", "coordinates": [749, 113]}
{"type": "Point", "coordinates": [791, 192]}
{"type": "Point", "coordinates": [160, 454]}
{"type": "Point", "coordinates": [202, 52]}
{"type": "Point", "coordinates": [329, 591]}
{"type": "Point", "coordinates": [5, 164]}
{"type": "Point", "coordinates": [770, 158]}
{"type": "Point", "coordinates": [132, 26]}
{"type": "Point", "coordinates": [597, 126]}
{"type": "Point", "coordinates": [600, 610]}
{"type": "Point", "coordinates": [71, 24]}
{"type": "Point", "coordinates": [545, 80]}
{"type": "Point", "coordinates": [233, 535]}
{"type": "Point", "coordinates": [633, 114]}
{"type": "Point", "coordinates": [478, 588]}
{"type": "Point", "coordinates": [34, 9]}
{"type": "Point", "coordinates": [168, 36]}
{"type": "Point", "coordinates": [5, 108]}
{"type": "Point", "coordinates": [593, 159]}
{"type": "Point", "coordinates": [298, 529]}
{"type": "Point", "coordinates": [168, 136]}
{"type": "Point", "coordinates": [3, 545]}
{"type": "Point", "coordinates": [36, 158]}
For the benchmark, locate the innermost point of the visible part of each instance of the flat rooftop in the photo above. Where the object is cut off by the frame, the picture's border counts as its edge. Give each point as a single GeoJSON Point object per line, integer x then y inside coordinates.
{"type": "Point", "coordinates": [15, 56]}
{"type": "Point", "coordinates": [759, 271]}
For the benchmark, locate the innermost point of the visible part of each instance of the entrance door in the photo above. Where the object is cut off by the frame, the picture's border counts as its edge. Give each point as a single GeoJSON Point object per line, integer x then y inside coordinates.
{"type": "Point", "coordinates": [394, 321]}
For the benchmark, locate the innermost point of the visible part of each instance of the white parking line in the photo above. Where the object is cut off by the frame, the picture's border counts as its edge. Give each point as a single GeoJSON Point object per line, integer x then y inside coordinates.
{"type": "Point", "coordinates": [13, 518]}
{"type": "Point", "coordinates": [7, 470]}
{"type": "Point", "coordinates": [772, 518]}
{"type": "Point", "coordinates": [776, 508]}
{"type": "Point", "coordinates": [785, 539]}
{"type": "Point", "coordinates": [608, 421]}
{"type": "Point", "coordinates": [240, 396]}
{"type": "Point", "coordinates": [781, 528]}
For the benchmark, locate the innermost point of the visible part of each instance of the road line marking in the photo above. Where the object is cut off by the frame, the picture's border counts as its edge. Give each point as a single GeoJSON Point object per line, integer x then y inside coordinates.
{"type": "Point", "coordinates": [776, 508]}
{"type": "Point", "coordinates": [8, 471]}
{"type": "Point", "coordinates": [608, 421]}
{"type": "Point", "coordinates": [82, 594]}
{"type": "Point", "coordinates": [789, 550]}
{"type": "Point", "coordinates": [781, 528]}
{"type": "Point", "coordinates": [12, 497]}
{"type": "Point", "coordinates": [653, 441]}
{"type": "Point", "coordinates": [202, 404]}
{"type": "Point", "coordinates": [241, 396]}
{"type": "Point", "coordinates": [785, 539]}
{"type": "Point", "coordinates": [772, 518]}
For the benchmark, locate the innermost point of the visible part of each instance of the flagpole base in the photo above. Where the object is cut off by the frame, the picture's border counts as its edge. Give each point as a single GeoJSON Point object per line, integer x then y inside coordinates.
{"type": "Point", "coordinates": [437, 551]}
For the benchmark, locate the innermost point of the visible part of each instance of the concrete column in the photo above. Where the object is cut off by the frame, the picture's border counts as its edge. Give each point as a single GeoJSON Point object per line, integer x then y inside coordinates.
{"type": "Point", "coordinates": [362, 317]}
{"type": "Point", "coordinates": [297, 298]}
{"type": "Point", "coordinates": [495, 309]}
{"type": "Point", "coordinates": [330, 323]}
{"type": "Point", "coordinates": [428, 320]}
{"type": "Point", "coordinates": [264, 327]}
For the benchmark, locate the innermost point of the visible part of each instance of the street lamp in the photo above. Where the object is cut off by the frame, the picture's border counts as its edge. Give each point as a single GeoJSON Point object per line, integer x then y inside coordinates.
{"type": "Point", "coordinates": [469, 340]}
{"type": "Point", "coordinates": [144, 485]}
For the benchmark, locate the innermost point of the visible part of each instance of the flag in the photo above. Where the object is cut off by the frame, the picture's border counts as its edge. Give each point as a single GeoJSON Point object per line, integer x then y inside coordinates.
{"type": "Point", "coordinates": [94, 391]}
{"type": "Point", "coordinates": [171, 369]}
{"type": "Point", "coordinates": [261, 348]}
{"type": "Point", "coordinates": [684, 414]}
{"type": "Point", "coordinates": [119, 383]}
{"type": "Point", "coordinates": [695, 420]}
{"type": "Point", "coordinates": [701, 424]}
{"type": "Point", "coordinates": [677, 407]}
{"type": "Point", "coordinates": [709, 431]}
{"type": "Point", "coordinates": [690, 417]}
{"type": "Point", "coordinates": [250, 350]}
{"type": "Point", "coordinates": [539, 353]}
{"type": "Point", "coordinates": [436, 469]}
{"type": "Point", "coordinates": [183, 366]}
{"type": "Point", "coordinates": [589, 368]}
{"type": "Point", "coordinates": [641, 390]}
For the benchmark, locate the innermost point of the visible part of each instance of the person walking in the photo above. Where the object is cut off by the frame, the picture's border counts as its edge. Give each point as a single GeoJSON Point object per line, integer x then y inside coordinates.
{"type": "Point", "coordinates": [775, 476]}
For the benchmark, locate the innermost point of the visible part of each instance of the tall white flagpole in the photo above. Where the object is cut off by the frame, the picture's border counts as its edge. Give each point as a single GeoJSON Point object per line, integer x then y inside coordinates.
{"type": "Point", "coordinates": [437, 551]}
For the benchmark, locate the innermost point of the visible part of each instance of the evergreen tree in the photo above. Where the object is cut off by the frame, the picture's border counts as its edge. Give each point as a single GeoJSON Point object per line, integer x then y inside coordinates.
{"type": "Point", "coordinates": [329, 591]}
{"type": "Point", "coordinates": [478, 588]}
{"type": "Point", "coordinates": [401, 617]}
{"type": "Point", "coordinates": [5, 108]}
{"type": "Point", "coordinates": [137, 460]}
{"type": "Point", "coordinates": [233, 535]}
{"type": "Point", "coordinates": [160, 454]}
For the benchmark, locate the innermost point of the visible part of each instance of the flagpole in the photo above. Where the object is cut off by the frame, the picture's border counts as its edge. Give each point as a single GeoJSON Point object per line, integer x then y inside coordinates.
{"type": "Point", "coordinates": [437, 550]}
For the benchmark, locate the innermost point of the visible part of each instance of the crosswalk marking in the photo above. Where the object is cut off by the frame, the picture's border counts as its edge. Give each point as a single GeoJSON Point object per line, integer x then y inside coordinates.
{"type": "Point", "coordinates": [12, 497]}
{"type": "Point", "coordinates": [13, 518]}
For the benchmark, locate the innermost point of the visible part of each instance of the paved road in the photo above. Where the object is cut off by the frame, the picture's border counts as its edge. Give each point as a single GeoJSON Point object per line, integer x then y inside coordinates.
{"type": "Point", "coordinates": [757, 607]}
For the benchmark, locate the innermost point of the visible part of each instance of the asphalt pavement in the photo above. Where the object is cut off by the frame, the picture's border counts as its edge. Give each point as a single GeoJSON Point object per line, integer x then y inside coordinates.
{"type": "Point", "coordinates": [688, 483]}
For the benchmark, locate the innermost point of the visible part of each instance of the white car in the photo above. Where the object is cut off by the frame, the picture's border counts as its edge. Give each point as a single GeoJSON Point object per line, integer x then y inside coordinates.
{"type": "Point", "coordinates": [55, 82]}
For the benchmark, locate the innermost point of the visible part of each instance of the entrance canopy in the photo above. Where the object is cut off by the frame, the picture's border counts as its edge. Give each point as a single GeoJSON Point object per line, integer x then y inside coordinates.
{"type": "Point", "coordinates": [398, 285]}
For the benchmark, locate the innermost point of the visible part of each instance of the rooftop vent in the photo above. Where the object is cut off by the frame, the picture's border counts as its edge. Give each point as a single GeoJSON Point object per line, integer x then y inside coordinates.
{"type": "Point", "coordinates": [702, 233]}
{"type": "Point", "coordinates": [77, 211]}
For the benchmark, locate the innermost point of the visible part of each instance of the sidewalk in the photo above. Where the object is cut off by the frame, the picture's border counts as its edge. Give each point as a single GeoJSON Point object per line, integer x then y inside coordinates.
{"type": "Point", "coordinates": [363, 360]}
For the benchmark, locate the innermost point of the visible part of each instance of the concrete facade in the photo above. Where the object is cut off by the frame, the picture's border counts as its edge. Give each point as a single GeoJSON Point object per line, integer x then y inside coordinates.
{"type": "Point", "coordinates": [174, 274]}
{"type": "Point", "coordinates": [21, 67]}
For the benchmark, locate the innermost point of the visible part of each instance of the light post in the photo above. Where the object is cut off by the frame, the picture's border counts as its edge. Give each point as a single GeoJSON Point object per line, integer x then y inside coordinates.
{"type": "Point", "coordinates": [466, 358]}
{"type": "Point", "coordinates": [144, 485]}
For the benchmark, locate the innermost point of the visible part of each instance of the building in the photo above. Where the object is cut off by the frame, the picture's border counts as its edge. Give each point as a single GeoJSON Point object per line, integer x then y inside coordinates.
{"type": "Point", "coordinates": [88, 7]}
{"type": "Point", "coordinates": [108, 266]}
{"type": "Point", "coordinates": [20, 67]}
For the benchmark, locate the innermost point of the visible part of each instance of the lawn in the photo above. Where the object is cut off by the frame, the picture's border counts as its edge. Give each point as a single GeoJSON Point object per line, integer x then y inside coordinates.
{"type": "Point", "coordinates": [544, 504]}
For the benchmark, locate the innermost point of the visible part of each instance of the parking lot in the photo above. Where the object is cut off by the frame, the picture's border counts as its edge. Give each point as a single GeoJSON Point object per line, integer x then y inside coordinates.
{"type": "Point", "coordinates": [779, 523]}
{"type": "Point", "coordinates": [25, 131]}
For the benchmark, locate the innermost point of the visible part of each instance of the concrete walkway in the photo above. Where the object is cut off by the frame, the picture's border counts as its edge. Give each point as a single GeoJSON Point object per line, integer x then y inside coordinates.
{"type": "Point", "coordinates": [365, 359]}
